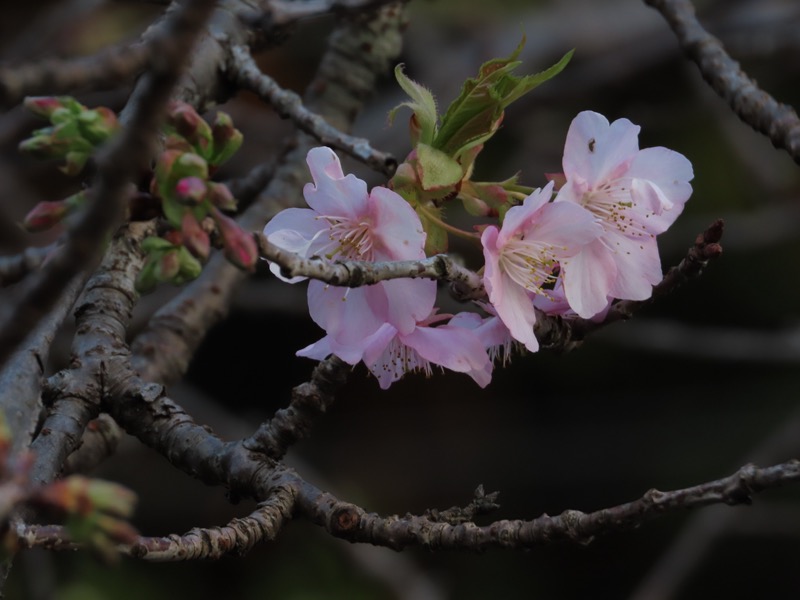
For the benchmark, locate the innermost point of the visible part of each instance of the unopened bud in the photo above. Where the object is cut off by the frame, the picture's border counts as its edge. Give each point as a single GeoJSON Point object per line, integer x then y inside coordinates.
{"type": "Point", "coordinates": [187, 123]}
{"type": "Point", "coordinates": [227, 139]}
{"type": "Point", "coordinates": [220, 196]}
{"type": "Point", "coordinates": [190, 267]}
{"type": "Point", "coordinates": [190, 190]}
{"type": "Point", "coordinates": [98, 125]}
{"type": "Point", "coordinates": [194, 237]}
{"type": "Point", "coordinates": [167, 266]}
{"type": "Point", "coordinates": [240, 247]}
{"type": "Point", "coordinates": [45, 215]}
{"type": "Point", "coordinates": [43, 106]}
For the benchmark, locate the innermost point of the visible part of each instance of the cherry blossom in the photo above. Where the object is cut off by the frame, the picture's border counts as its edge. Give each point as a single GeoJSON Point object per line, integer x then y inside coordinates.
{"type": "Point", "coordinates": [521, 256]}
{"type": "Point", "coordinates": [344, 221]}
{"type": "Point", "coordinates": [389, 354]}
{"type": "Point", "coordinates": [635, 194]}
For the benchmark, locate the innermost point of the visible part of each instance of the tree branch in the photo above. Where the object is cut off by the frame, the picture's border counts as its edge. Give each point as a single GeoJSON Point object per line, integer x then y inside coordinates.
{"type": "Point", "coordinates": [354, 524]}
{"type": "Point", "coordinates": [102, 314]}
{"type": "Point", "coordinates": [779, 122]}
{"type": "Point", "coordinates": [352, 273]}
{"type": "Point", "coordinates": [245, 73]}
{"type": "Point", "coordinates": [309, 400]}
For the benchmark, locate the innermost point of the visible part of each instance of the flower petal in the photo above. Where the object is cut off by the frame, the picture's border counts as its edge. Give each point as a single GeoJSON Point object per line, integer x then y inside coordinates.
{"type": "Point", "coordinates": [396, 227]}
{"type": "Point", "coordinates": [515, 307]}
{"type": "Point", "coordinates": [594, 150]}
{"type": "Point", "coordinates": [333, 193]}
{"type": "Point", "coordinates": [588, 277]}
{"type": "Point", "coordinates": [408, 301]}
{"type": "Point", "coordinates": [638, 268]}
{"type": "Point", "coordinates": [347, 315]}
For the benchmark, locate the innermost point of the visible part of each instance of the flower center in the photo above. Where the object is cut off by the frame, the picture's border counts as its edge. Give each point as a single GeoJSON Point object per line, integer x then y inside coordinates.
{"type": "Point", "coordinates": [349, 239]}
{"type": "Point", "coordinates": [613, 205]}
{"type": "Point", "coordinates": [529, 263]}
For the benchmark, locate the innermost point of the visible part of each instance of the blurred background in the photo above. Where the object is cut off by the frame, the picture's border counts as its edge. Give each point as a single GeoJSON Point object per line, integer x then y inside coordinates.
{"type": "Point", "coordinates": [693, 388]}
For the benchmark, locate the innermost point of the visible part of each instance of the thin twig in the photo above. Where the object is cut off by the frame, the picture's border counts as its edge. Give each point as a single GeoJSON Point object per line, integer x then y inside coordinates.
{"type": "Point", "coordinates": [353, 273]}
{"type": "Point", "coordinates": [246, 74]}
{"type": "Point", "coordinates": [356, 525]}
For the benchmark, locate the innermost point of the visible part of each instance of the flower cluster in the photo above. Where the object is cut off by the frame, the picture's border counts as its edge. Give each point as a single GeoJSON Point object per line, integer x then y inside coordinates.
{"type": "Point", "coordinates": [570, 251]}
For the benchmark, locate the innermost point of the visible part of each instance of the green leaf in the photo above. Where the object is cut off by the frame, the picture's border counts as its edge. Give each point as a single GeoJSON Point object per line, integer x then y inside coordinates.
{"type": "Point", "coordinates": [423, 104]}
{"type": "Point", "coordinates": [475, 115]}
{"type": "Point", "coordinates": [436, 240]}
{"type": "Point", "coordinates": [435, 169]}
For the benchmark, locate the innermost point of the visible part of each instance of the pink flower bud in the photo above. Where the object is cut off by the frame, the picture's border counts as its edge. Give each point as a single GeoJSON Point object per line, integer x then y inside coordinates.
{"type": "Point", "coordinates": [167, 266]}
{"type": "Point", "coordinates": [240, 247]}
{"type": "Point", "coordinates": [98, 125]}
{"type": "Point", "coordinates": [190, 190]}
{"type": "Point", "coordinates": [194, 237]}
{"type": "Point", "coordinates": [220, 196]}
{"type": "Point", "coordinates": [43, 106]}
{"type": "Point", "coordinates": [227, 139]}
{"type": "Point", "coordinates": [45, 215]}
{"type": "Point", "coordinates": [190, 125]}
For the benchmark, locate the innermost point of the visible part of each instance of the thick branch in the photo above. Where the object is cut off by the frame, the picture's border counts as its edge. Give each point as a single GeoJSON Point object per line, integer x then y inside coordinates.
{"type": "Point", "coordinates": [102, 314]}
{"type": "Point", "coordinates": [754, 106]}
{"type": "Point", "coordinates": [21, 377]}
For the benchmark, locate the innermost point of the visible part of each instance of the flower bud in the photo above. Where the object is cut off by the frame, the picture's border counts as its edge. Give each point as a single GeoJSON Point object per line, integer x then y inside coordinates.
{"type": "Point", "coordinates": [220, 196]}
{"type": "Point", "coordinates": [167, 266]}
{"type": "Point", "coordinates": [45, 215]}
{"type": "Point", "coordinates": [191, 126]}
{"type": "Point", "coordinates": [194, 238]}
{"type": "Point", "coordinates": [227, 139]}
{"type": "Point", "coordinates": [190, 191]}
{"type": "Point", "coordinates": [98, 125]}
{"type": "Point", "coordinates": [190, 267]}
{"type": "Point", "coordinates": [45, 144]}
{"type": "Point", "coordinates": [240, 247]}
{"type": "Point", "coordinates": [43, 106]}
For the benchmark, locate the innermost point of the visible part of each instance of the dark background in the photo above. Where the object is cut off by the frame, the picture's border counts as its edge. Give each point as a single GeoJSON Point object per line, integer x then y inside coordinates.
{"type": "Point", "coordinates": [693, 388]}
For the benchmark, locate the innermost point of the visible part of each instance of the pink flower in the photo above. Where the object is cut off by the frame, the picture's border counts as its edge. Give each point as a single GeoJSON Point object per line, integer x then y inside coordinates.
{"type": "Point", "coordinates": [522, 255]}
{"type": "Point", "coordinates": [346, 222]}
{"type": "Point", "coordinates": [390, 354]}
{"type": "Point", "coordinates": [635, 194]}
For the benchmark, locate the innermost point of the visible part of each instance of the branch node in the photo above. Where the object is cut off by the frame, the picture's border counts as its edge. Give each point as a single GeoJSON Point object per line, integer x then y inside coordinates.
{"type": "Point", "coordinates": [344, 519]}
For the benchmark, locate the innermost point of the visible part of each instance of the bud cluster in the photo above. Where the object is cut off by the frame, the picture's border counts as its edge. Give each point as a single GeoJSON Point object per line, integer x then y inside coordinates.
{"type": "Point", "coordinates": [74, 133]}
{"type": "Point", "coordinates": [194, 206]}
{"type": "Point", "coordinates": [191, 202]}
